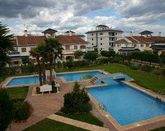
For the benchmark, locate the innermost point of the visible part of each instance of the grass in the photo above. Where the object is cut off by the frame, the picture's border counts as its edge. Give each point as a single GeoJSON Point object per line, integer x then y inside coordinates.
{"type": "Point", "coordinates": [145, 79]}
{"type": "Point", "coordinates": [17, 92]}
{"type": "Point", "coordinates": [85, 117]}
{"type": "Point", "coordinates": [51, 125]}
{"type": "Point", "coordinates": [159, 129]}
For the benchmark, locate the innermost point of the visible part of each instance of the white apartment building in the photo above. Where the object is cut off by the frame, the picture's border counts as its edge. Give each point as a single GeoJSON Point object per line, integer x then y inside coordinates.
{"type": "Point", "coordinates": [102, 38]}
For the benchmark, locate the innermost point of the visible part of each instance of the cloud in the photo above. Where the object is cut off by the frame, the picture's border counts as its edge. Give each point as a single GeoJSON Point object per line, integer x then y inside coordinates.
{"type": "Point", "coordinates": [130, 15]}
{"type": "Point", "coordinates": [131, 8]}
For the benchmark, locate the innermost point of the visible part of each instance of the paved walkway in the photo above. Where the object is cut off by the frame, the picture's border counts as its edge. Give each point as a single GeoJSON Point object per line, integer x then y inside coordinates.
{"type": "Point", "coordinates": [76, 123]}
{"type": "Point", "coordinates": [43, 106]}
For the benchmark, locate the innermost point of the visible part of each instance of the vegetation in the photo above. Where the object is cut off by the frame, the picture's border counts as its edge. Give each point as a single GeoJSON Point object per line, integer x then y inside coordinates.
{"type": "Point", "coordinates": [91, 56]}
{"type": "Point", "coordinates": [51, 125]}
{"type": "Point", "coordinates": [78, 54]}
{"type": "Point", "coordinates": [17, 92]}
{"type": "Point", "coordinates": [47, 53]}
{"type": "Point", "coordinates": [76, 101]}
{"type": "Point", "coordinates": [109, 53]}
{"type": "Point", "coordinates": [85, 117]}
{"type": "Point", "coordinates": [21, 111]}
{"type": "Point", "coordinates": [5, 110]}
{"type": "Point", "coordinates": [5, 45]}
{"type": "Point", "coordinates": [159, 129]}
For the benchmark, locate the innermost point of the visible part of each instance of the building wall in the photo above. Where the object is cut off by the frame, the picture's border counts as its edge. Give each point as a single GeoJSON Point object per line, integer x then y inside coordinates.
{"type": "Point", "coordinates": [102, 40]}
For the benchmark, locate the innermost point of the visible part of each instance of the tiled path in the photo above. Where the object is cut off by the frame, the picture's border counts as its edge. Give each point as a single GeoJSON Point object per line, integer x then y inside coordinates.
{"type": "Point", "coordinates": [76, 123]}
{"type": "Point", "coordinates": [43, 106]}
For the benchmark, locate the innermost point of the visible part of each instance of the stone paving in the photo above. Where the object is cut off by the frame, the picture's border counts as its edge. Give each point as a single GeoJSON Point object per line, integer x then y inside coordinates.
{"type": "Point", "coordinates": [43, 106]}
{"type": "Point", "coordinates": [76, 123]}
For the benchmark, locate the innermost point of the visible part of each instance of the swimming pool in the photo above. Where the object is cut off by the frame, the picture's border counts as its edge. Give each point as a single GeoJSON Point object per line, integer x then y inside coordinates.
{"type": "Point", "coordinates": [23, 81]}
{"type": "Point", "coordinates": [77, 76]}
{"type": "Point", "coordinates": [126, 104]}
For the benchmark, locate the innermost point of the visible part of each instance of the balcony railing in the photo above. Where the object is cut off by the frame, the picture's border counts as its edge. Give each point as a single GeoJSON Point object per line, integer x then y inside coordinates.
{"type": "Point", "coordinates": [14, 53]}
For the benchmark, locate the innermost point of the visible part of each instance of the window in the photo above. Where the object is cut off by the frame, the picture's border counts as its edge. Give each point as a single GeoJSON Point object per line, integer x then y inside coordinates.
{"type": "Point", "coordinates": [92, 38]}
{"type": "Point", "coordinates": [75, 47]}
{"type": "Point", "coordinates": [23, 49]}
{"type": "Point", "coordinates": [100, 38]}
{"type": "Point", "coordinates": [141, 45]}
{"type": "Point", "coordinates": [92, 34]}
{"type": "Point", "coordinates": [92, 43]}
{"type": "Point", "coordinates": [101, 33]}
{"type": "Point", "coordinates": [100, 43]}
{"type": "Point", "coordinates": [67, 47]}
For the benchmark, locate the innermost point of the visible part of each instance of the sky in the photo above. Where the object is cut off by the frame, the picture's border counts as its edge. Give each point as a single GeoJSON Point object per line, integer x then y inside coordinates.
{"type": "Point", "coordinates": [83, 15]}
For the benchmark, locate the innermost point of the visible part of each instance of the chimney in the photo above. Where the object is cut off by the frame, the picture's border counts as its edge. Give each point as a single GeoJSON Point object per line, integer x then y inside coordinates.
{"type": "Point", "coordinates": [159, 34]}
{"type": "Point", "coordinates": [131, 33]}
{"type": "Point", "coordinates": [25, 33]}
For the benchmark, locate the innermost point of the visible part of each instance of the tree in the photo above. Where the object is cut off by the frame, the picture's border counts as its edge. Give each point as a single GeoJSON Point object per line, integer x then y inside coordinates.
{"type": "Point", "coordinates": [109, 53]}
{"type": "Point", "coordinates": [6, 45]}
{"type": "Point", "coordinates": [6, 108]}
{"type": "Point", "coordinates": [76, 101]}
{"type": "Point", "coordinates": [78, 54]}
{"type": "Point", "coordinates": [91, 56]}
{"type": "Point", "coordinates": [35, 53]}
{"type": "Point", "coordinates": [54, 52]}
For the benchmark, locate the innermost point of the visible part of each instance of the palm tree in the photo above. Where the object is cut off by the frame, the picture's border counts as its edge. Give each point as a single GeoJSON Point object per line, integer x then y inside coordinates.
{"type": "Point", "coordinates": [44, 58]}
{"type": "Point", "coordinates": [35, 53]}
{"type": "Point", "coordinates": [6, 45]}
{"type": "Point", "coordinates": [54, 52]}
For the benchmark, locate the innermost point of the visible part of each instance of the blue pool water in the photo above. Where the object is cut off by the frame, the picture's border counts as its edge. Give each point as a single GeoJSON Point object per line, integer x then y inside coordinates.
{"type": "Point", "coordinates": [78, 75]}
{"type": "Point", "coordinates": [24, 81]}
{"type": "Point", "coordinates": [126, 104]}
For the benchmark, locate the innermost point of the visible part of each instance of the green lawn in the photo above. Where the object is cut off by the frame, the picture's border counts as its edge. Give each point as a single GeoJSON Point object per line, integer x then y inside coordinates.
{"type": "Point", "coordinates": [17, 92]}
{"type": "Point", "coordinates": [159, 129]}
{"type": "Point", "coordinates": [145, 79]}
{"type": "Point", "coordinates": [51, 125]}
{"type": "Point", "coordinates": [85, 117]}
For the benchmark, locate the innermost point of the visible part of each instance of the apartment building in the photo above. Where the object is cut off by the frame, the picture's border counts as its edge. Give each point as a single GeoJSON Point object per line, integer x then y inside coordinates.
{"type": "Point", "coordinates": [102, 38]}
{"type": "Point", "coordinates": [24, 44]}
{"type": "Point", "coordinates": [144, 42]}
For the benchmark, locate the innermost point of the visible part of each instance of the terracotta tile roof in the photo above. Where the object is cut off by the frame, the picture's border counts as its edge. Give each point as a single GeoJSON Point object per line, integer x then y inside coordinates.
{"type": "Point", "coordinates": [29, 40]}
{"type": "Point", "coordinates": [132, 39]}
{"type": "Point", "coordinates": [121, 41]}
{"type": "Point", "coordinates": [34, 40]}
{"type": "Point", "coordinates": [152, 39]}
{"type": "Point", "coordinates": [66, 40]}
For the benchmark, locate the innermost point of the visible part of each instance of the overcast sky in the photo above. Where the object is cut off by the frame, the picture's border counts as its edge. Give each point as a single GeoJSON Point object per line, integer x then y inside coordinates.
{"type": "Point", "coordinates": [83, 15]}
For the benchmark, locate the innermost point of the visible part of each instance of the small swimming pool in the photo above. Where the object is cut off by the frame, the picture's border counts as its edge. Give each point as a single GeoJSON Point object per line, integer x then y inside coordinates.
{"type": "Point", "coordinates": [126, 104]}
{"type": "Point", "coordinates": [23, 81]}
{"type": "Point", "coordinates": [77, 76]}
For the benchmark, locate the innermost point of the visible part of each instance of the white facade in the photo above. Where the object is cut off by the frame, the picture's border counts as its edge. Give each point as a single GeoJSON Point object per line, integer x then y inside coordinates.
{"type": "Point", "coordinates": [102, 38]}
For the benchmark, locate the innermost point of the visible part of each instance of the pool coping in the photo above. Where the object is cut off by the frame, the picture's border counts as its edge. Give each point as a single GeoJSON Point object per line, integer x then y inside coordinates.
{"type": "Point", "coordinates": [113, 121]}
{"type": "Point", "coordinates": [7, 80]}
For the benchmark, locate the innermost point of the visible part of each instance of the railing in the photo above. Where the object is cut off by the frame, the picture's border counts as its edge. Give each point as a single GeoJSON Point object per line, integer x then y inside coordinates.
{"type": "Point", "coordinates": [14, 53]}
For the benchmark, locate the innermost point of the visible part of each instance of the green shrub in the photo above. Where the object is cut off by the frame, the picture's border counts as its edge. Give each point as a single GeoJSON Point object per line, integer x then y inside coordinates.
{"type": "Point", "coordinates": [102, 60]}
{"type": "Point", "coordinates": [163, 72]}
{"type": "Point", "coordinates": [80, 63]}
{"type": "Point", "coordinates": [22, 111]}
{"type": "Point", "coordinates": [146, 68]}
{"type": "Point", "coordinates": [37, 90]}
{"type": "Point", "coordinates": [69, 64]}
{"type": "Point", "coordinates": [157, 71]}
{"type": "Point", "coordinates": [6, 108]}
{"type": "Point", "coordinates": [134, 66]}
{"type": "Point", "coordinates": [76, 101]}
{"type": "Point", "coordinates": [54, 88]}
